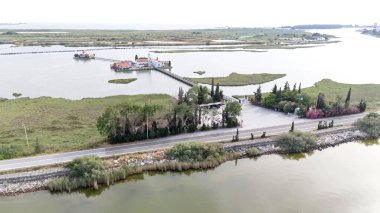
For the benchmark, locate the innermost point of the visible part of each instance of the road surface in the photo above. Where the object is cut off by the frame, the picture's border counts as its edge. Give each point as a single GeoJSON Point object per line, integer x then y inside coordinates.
{"type": "Point", "coordinates": [161, 143]}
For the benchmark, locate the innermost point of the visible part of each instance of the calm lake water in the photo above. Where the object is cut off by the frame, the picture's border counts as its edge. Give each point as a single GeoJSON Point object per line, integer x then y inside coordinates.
{"type": "Point", "coordinates": [340, 179]}
{"type": "Point", "coordinates": [354, 60]}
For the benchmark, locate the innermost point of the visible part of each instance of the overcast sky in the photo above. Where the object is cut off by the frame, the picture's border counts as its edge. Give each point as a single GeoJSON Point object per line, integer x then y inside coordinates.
{"type": "Point", "coordinates": [247, 13]}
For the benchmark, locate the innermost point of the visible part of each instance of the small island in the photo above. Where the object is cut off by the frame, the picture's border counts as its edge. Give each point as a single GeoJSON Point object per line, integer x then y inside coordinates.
{"type": "Point", "coordinates": [122, 81]}
{"type": "Point", "coordinates": [236, 79]}
{"type": "Point", "coordinates": [200, 72]}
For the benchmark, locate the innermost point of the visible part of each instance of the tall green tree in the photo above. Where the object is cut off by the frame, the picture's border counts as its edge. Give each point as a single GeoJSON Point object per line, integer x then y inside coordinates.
{"type": "Point", "coordinates": [212, 88]}
{"type": "Point", "coordinates": [279, 95]}
{"type": "Point", "coordinates": [201, 99]}
{"type": "Point", "coordinates": [348, 99]}
{"type": "Point", "coordinates": [184, 112]}
{"type": "Point", "coordinates": [258, 95]}
{"type": "Point", "coordinates": [274, 90]}
{"type": "Point", "coordinates": [321, 101]}
{"type": "Point", "coordinates": [180, 96]}
{"type": "Point", "coordinates": [218, 96]}
{"type": "Point", "coordinates": [149, 111]}
{"type": "Point", "coordinates": [107, 122]}
{"type": "Point", "coordinates": [299, 88]}
{"type": "Point", "coordinates": [132, 115]}
{"type": "Point", "coordinates": [286, 87]}
{"type": "Point", "coordinates": [295, 87]}
{"type": "Point", "coordinates": [233, 109]}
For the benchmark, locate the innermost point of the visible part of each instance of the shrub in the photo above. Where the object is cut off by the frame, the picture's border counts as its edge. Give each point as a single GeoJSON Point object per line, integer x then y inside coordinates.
{"type": "Point", "coordinates": [195, 152]}
{"type": "Point", "coordinates": [370, 124]}
{"type": "Point", "coordinates": [302, 112]}
{"type": "Point", "coordinates": [281, 105]}
{"type": "Point", "coordinates": [351, 110]}
{"type": "Point", "coordinates": [289, 107]}
{"type": "Point", "coordinates": [296, 142]}
{"type": "Point", "coordinates": [253, 152]}
{"type": "Point", "coordinates": [336, 110]}
{"type": "Point", "coordinates": [314, 113]}
{"type": "Point", "coordinates": [362, 105]}
{"type": "Point", "coordinates": [233, 109]}
{"type": "Point", "coordinates": [270, 101]}
{"type": "Point", "coordinates": [12, 151]}
{"type": "Point", "coordinates": [86, 167]}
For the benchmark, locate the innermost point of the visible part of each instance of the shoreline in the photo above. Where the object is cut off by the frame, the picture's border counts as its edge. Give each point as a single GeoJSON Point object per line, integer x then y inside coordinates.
{"type": "Point", "coordinates": [155, 161]}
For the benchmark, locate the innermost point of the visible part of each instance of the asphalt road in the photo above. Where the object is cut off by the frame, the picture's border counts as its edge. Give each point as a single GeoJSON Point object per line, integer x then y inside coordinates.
{"type": "Point", "coordinates": [154, 144]}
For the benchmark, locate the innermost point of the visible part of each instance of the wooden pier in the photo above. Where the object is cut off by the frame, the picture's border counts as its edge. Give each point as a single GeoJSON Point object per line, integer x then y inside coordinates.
{"type": "Point", "coordinates": [175, 76]}
{"type": "Point", "coordinates": [107, 59]}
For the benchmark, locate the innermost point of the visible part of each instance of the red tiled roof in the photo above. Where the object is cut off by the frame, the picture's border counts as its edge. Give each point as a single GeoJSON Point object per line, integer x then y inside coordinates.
{"type": "Point", "coordinates": [123, 64]}
{"type": "Point", "coordinates": [140, 60]}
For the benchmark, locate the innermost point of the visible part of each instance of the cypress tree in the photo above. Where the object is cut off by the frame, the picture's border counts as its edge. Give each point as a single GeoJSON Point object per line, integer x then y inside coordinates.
{"type": "Point", "coordinates": [180, 96]}
{"type": "Point", "coordinates": [295, 87]}
{"type": "Point", "coordinates": [321, 104]}
{"type": "Point", "coordinates": [212, 88]}
{"type": "Point", "coordinates": [299, 88]}
{"type": "Point", "coordinates": [286, 87]}
{"type": "Point", "coordinates": [220, 95]}
{"type": "Point", "coordinates": [348, 99]}
{"type": "Point", "coordinates": [258, 95]}
{"type": "Point", "coordinates": [217, 97]}
{"type": "Point", "coordinates": [274, 90]}
{"type": "Point", "coordinates": [200, 95]}
{"type": "Point", "coordinates": [279, 95]}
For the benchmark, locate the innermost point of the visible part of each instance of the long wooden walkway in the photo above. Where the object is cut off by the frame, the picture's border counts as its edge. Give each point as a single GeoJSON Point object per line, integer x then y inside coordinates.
{"type": "Point", "coordinates": [106, 59]}
{"type": "Point", "coordinates": [175, 76]}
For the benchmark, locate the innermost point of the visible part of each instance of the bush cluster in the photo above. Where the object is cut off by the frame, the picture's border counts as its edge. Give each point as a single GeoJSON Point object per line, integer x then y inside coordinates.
{"type": "Point", "coordinates": [253, 152]}
{"type": "Point", "coordinates": [287, 101]}
{"type": "Point", "coordinates": [370, 124]}
{"type": "Point", "coordinates": [195, 152]}
{"type": "Point", "coordinates": [296, 142]}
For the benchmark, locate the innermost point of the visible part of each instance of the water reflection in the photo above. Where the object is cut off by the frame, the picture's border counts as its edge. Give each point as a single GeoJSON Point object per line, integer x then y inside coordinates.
{"type": "Point", "coordinates": [370, 142]}
{"type": "Point", "coordinates": [297, 156]}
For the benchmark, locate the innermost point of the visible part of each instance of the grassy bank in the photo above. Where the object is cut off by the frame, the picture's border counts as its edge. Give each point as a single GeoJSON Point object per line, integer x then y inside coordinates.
{"type": "Point", "coordinates": [122, 81]}
{"type": "Point", "coordinates": [260, 36]}
{"type": "Point", "coordinates": [57, 125]}
{"type": "Point", "coordinates": [332, 89]}
{"type": "Point", "coordinates": [89, 171]}
{"type": "Point", "coordinates": [235, 79]}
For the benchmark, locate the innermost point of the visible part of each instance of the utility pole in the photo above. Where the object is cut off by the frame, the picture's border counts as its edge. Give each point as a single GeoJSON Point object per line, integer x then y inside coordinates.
{"type": "Point", "coordinates": [26, 135]}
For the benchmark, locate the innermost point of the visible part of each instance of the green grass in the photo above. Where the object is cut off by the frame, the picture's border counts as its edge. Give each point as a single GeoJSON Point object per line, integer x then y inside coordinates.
{"type": "Point", "coordinates": [332, 89]}
{"type": "Point", "coordinates": [122, 81]}
{"type": "Point", "coordinates": [200, 72]}
{"type": "Point", "coordinates": [235, 79]}
{"type": "Point", "coordinates": [58, 124]}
